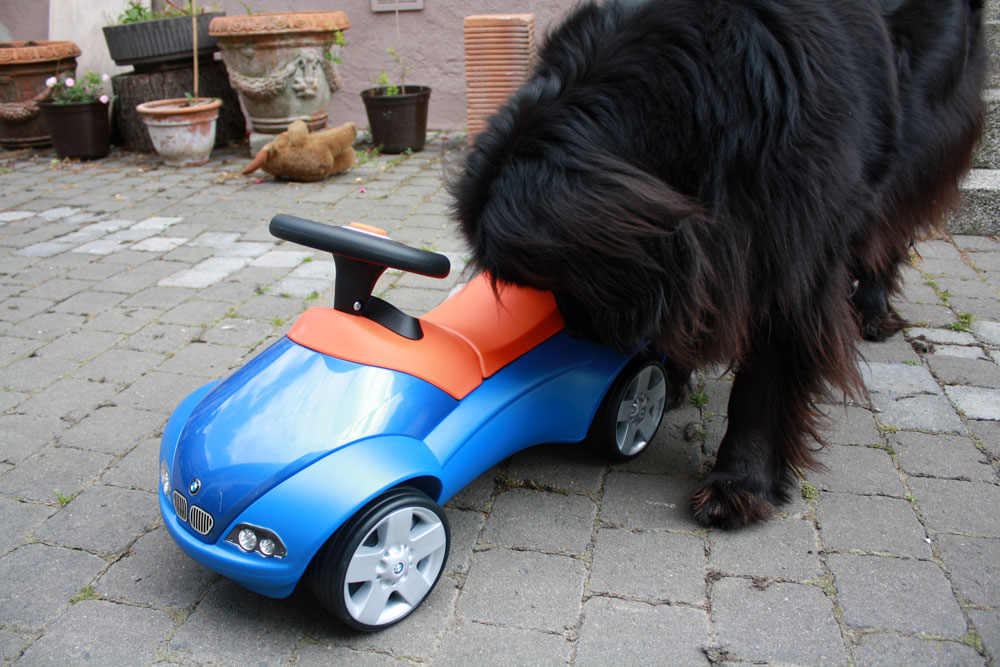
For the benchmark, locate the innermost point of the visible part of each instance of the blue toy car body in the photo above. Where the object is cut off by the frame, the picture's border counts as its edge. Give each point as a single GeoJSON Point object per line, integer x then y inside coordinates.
{"type": "Point", "coordinates": [303, 457]}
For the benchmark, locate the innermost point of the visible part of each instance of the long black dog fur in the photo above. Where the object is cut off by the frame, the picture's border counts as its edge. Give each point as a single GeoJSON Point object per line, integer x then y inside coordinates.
{"type": "Point", "coordinates": [735, 182]}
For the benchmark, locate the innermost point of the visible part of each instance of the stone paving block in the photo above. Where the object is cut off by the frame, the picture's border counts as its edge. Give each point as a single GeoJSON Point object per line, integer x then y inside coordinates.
{"type": "Point", "coordinates": [88, 303]}
{"type": "Point", "coordinates": [567, 467]}
{"type": "Point", "coordinates": [958, 371]}
{"type": "Point", "coordinates": [205, 273]}
{"type": "Point", "coordinates": [322, 655]}
{"type": "Point", "coordinates": [123, 320]}
{"type": "Point", "coordinates": [465, 528]}
{"type": "Point", "coordinates": [18, 308]}
{"type": "Point", "coordinates": [196, 313]}
{"type": "Point", "coordinates": [968, 289]}
{"type": "Point", "coordinates": [53, 471]}
{"type": "Point", "coordinates": [161, 298]}
{"type": "Point", "coordinates": [675, 449]}
{"type": "Point", "coordinates": [976, 402]}
{"type": "Point", "coordinates": [238, 331]}
{"type": "Point", "coordinates": [917, 413]}
{"type": "Point", "coordinates": [951, 268]}
{"type": "Point", "coordinates": [137, 469]}
{"type": "Point", "coordinates": [101, 633]}
{"type": "Point", "coordinates": [886, 649]}
{"type": "Point", "coordinates": [37, 581]}
{"type": "Point", "coordinates": [777, 549]}
{"type": "Point", "coordinates": [652, 566]}
{"type": "Point", "coordinates": [233, 626]}
{"type": "Point", "coordinates": [851, 469]}
{"type": "Point", "coordinates": [987, 625]}
{"type": "Point", "coordinates": [960, 351]}
{"type": "Point", "coordinates": [32, 374]}
{"type": "Point", "coordinates": [69, 399]}
{"type": "Point", "coordinates": [477, 495]}
{"type": "Point", "coordinates": [57, 289]}
{"type": "Point", "coordinates": [988, 433]}
{"type": "Point", "coordinates": [980, 309]}
{"type": "Point", "coordinates": [898, 594]}
{"type": "Point", "coordinates": [12, 349]}
{"type": "Point", "coordinates": [621, 632]}
{"type": "Point", "coordinates": [417, 636]}
{"type": "Point", "coordinates": [155, 571]}
{"type": "Point", "coordinates": [205, 360]}
{"type": "Point", "coordinates": [20, 520]}
{"type": "Point", "coordinates": [988, 332]}
{"type": "Point", "coordinates": [783, 623]}
{"type": "Point", "coordinates": [113, 429]}
{"type": "Point", "coordinates": [158, 391]}
{"type": "Point", "coordinates": [650, 502]}
{"type": "Point", "coordinates": [270, 308]}
{"type": "Point", "coordinates": [22, 435]}
{"type": "Point", "coordinates": [925, 314]}
{"type": "Point", "coordinates": [161, 338]}
{"type": "Point", "coordinates": [539, 591]}
{"type": "Point", "coordinates": [974, 566]}
{"type": "Point", "coordinates": [954, 506]}
{"type": "Point", "coordinates": [550, 522]}
{"type": "Point", "coordinates": [478, 644]}
{"type": "Point", "coordinates": [847, 425]}
{"type": "Point", "coordinates": [926, 455]}
{"type": "Point", "coordinates": [45, 326]}
{"type": "Point", "coordinates": [889, 525]}
{"type": "Point", "coordinates": [78, 345]}
{"type": "Point", "coordinates": [102, 519]}
{"type": "Point", "coordinates": [119, 366]}
{"type": "Point", "coordinates": [11, 644]}
{"type": "Point", "coordinates": [898, 379]}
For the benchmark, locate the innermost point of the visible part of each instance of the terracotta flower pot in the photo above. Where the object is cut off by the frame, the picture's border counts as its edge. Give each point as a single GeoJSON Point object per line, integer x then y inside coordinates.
{"type": "Point", "coordinates": [282, 67]}
{"type": "Point", "coordinates": [183, 135]}
{"type": "Point", "coordinates": [24, 67]}
{"type": "Point", "coordinates": [80, 130]}
{"type": "Point", "coordinates": [398, 122]}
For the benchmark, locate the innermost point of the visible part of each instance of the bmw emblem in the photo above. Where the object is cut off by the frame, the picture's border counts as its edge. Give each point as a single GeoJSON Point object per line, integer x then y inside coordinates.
{"type": "Point", "coordinates": [398, 569]}
{"type": "Point", "coordinates": [195, 486]}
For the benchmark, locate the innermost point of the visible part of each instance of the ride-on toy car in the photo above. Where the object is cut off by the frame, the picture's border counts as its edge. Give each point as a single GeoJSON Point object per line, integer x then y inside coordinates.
{"type": "Point", "coordinates": [327, 457]}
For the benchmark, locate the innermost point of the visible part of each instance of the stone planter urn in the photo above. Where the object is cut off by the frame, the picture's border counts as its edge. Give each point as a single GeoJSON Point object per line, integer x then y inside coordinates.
{"type": "Point", "coordinates": [24, 67]}
{"type": "Point", "coordinates": [282, 66]}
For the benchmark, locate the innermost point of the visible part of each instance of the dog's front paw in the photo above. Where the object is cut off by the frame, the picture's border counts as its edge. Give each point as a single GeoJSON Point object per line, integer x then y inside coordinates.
{"type": "Point", "coordinates": [723, 501]}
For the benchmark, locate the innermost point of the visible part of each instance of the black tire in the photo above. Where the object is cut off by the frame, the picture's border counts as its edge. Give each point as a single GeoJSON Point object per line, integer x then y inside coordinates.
{"type": "Point", "coordinates": [376, 549]}
{"type": "Point", "coordinates": [631, 411]}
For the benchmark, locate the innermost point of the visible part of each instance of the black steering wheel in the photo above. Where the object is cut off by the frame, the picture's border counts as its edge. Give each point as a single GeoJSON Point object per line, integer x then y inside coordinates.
{"type": "Point", "coordinates": [361, 258]}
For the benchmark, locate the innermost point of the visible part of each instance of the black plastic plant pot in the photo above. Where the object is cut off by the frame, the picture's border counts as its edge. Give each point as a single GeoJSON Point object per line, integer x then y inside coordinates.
{"type": "Point", "coordinates": [79, 130]}
{"type": "Point", "coordinates": [150, 46]}
{"type": "Point", "coordinates": [398, 122]}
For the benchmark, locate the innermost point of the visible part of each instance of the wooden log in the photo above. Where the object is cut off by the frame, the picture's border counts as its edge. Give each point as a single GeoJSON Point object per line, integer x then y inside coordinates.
{"type": "Point", "coordinates": [133, 88]}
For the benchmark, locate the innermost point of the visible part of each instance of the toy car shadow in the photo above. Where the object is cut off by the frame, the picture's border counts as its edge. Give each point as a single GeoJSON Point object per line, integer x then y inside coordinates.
{"type": "Point", "coordinates": [327, 457]}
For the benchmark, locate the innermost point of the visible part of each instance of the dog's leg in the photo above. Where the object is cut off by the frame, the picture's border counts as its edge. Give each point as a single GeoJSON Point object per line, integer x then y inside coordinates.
{"type": "Point", "coordinates": [748, 479]}
{"type": "Point", "coordinates": [876, 318]}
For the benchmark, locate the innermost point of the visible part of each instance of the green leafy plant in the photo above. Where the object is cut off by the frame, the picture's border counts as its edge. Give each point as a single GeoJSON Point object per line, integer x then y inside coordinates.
{"type": "Point", "coordinates": [63, 499]}
{"type": "Point", "coordinates": [137, 12]}
{"type": "Point", "coordinates": [87, 593]}
{"type": "Point", "coordinates": [88, 88]}
{"type": "Point", "coordinates": [699, 399]}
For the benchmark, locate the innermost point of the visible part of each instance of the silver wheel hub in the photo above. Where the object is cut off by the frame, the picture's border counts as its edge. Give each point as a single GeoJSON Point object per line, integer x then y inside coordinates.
{"type": "Point", "coordinates": [640, 410]}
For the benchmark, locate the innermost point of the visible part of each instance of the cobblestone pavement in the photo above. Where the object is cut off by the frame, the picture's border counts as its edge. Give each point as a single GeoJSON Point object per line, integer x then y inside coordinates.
{"type": "Point", "coordinates": [125, 284]}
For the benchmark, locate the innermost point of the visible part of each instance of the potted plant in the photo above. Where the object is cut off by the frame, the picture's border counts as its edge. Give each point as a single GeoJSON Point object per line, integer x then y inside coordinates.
{"type": "Point", "coordinates": [151, 39]}
{"type": "Point", "coordinates": [397, 114]}
{"type": "Point", "coordinates": [183, 129]}
{"type": "Point", "coordinates": [76, 114]}
{"type": "Point", "coordinates": [284, 67]}
{"type": "Point", "coordinates": [24, 67]}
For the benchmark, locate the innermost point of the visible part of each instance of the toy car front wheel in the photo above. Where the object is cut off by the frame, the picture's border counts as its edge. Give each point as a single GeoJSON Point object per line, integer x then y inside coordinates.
{"type": "Point", "coordinates": [631, 411]}
{"type": "Point", "coordinates": [384, 561]}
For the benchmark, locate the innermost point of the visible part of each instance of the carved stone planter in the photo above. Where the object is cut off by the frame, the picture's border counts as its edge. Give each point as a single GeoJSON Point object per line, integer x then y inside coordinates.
{"type": "Point", "coordinates": [24, 67]}
{"type": "Point", "coordinates": [282, 67]}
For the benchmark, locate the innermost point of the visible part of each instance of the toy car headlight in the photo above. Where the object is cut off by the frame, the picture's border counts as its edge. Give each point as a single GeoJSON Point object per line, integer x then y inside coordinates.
{"type": "Point", "coordinates": [164, 478]}
{"type": "Point", "coordinates": [256, 539]}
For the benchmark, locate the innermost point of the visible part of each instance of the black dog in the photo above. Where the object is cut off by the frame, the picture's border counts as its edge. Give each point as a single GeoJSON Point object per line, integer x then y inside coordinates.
{"type": "Point", "coordinates": [736, 181]}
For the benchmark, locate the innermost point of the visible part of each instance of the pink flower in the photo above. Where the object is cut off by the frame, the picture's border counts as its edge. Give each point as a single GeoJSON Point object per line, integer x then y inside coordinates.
{"type": "Point", "coordinates": [103, 99]}
{"type": "Point", "coordinates": [363, 191]}
{"type": "Point", "coordinates": [105, 77]}
{"type": "Point", "coordinates": [51, 81]}
{"type": "Point", "coordinates": [70, 83]}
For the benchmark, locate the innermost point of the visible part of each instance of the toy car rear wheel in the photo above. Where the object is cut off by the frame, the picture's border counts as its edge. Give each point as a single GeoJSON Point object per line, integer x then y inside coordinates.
{"type": "Point", "coordinates": [631, 411]}
{"type": "Point", "coordinates": [384, 562]}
